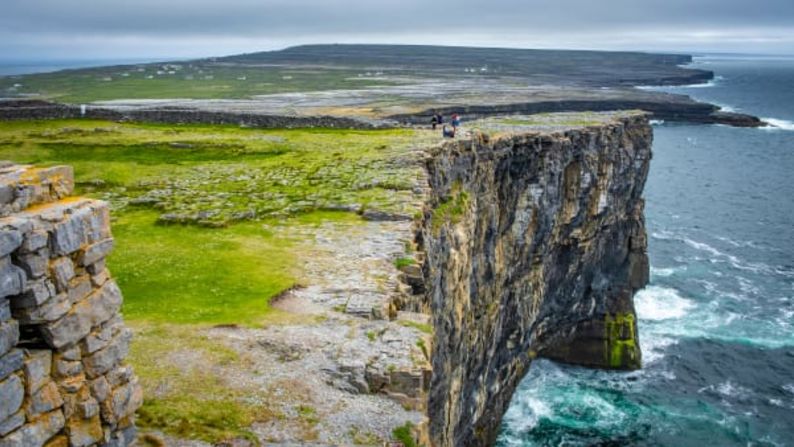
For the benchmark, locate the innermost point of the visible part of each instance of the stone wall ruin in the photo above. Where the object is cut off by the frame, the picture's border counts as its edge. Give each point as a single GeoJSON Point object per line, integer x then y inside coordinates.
{"type": "Point", "coordinates": [63, 380]}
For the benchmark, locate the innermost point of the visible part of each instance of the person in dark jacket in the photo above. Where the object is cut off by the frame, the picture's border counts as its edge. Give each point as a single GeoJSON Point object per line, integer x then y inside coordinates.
{"type": "Point", "coordinates": [434, 121]}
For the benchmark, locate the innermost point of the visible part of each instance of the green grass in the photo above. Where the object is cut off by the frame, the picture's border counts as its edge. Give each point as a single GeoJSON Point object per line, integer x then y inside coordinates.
{"type": "Point", "coordinates": [221, 174]}
{"type": "Point", "coordinates": [197, 80]}
{"type": "Point", "coordinates": [224, 173]}
{"type": "Point", "coordinates": [422, 327]}
{"type": "Point", "coordinates": [421, 345]}
{"type": "Point", "coordinates": [404, 435]}
{"type": "Point", "coordinates": [451, 209]}
{"type": "Point", "coordinates": [184, 398]}
{"type": "Point", "coordinates": [190, 275]}
{"type": "Point", "coordinates": [403, 262]}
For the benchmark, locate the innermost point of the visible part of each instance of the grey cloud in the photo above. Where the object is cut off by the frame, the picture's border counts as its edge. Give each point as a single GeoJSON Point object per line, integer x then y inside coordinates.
{"type": "Point", "coordinates": [32, 23]}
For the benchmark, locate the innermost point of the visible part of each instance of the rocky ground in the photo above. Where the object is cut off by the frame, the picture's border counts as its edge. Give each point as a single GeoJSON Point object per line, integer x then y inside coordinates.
{"type": "Point", "coordinates": [414, 95]}
{"type": "Point", "coordinates": [334, 373]}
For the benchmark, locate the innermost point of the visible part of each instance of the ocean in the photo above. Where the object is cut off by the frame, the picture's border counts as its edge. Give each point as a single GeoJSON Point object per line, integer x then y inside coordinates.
{"type": "Point", "coordinates": [10, 67]}
{"type": "Point", "coordinates": [716, 322]}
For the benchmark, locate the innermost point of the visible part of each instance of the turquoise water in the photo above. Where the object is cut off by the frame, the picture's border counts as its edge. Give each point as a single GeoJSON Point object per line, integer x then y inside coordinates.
{"type": "Point", "coordinates": [717, 320]}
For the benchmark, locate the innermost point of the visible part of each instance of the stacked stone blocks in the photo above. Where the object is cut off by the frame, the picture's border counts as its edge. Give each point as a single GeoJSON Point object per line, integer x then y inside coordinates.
{"type": "Point", "coordinates": [63, 381]}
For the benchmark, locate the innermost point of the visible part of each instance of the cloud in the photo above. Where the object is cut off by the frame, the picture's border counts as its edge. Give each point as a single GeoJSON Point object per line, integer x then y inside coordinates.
{"type": "Point", "coordinates": [203, 27]}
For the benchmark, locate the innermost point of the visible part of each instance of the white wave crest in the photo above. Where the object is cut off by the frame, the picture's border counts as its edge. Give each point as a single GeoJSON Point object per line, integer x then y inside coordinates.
{"type": "Point", "coordinates": [776, 124]}
{"type": "Point", "coordinates": [653, 346]}
{"type": "Point", "coordinates": [709, 83]}
{"type": "Point", "coordinates": [525, 411]}
{"type": "Point", "coordinates": [719, 256]}
{"type": "Point", "coordinates": [664, 272]}
{"type": "Point", "coordinates": [727, 389]}
{"type": "Point", "coordinates": [661, 303]}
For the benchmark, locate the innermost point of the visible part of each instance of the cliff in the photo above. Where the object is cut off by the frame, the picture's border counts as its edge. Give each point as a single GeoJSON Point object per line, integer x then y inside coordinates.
{"type": "Point", "coordinates": [62, 340]}
{"type": "Point", "coordinates": [666, 107]}
{"type": "Point", "coordinates": [535, 243]}
{"type": "Point", "coordinates": [528, 240]}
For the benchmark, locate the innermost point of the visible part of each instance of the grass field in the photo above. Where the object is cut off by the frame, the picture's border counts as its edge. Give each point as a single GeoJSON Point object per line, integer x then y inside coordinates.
{"type": "Point", "coordinates": [167, 184]}
{"type": "Point", "coordinates": [195, 80]}
{"type": "Point", "coordinates": [243, 194]}
{"type": "Point", "coordinates": [215, 175]}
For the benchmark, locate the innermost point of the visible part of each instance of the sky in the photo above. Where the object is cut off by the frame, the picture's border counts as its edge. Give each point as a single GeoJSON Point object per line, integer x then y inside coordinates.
{"type": "Point", "coordinates": [139, 29]}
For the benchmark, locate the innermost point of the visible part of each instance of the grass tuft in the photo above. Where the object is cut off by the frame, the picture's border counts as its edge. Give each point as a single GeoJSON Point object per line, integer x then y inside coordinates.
{"type": "Point", "coordinates": [404, 434]}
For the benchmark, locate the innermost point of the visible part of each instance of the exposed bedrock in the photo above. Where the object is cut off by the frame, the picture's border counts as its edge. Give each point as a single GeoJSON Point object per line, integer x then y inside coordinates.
{"type": "Point", "coordinates": [39, 110]}
{"type": "Point", "coordinates": [535, 245]}
{"type": "Point", "coordinates": [678, 110]}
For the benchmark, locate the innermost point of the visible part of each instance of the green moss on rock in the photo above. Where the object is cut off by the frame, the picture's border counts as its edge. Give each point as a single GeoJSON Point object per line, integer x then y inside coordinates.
{"type": "Point", "coordinates": [621, 348]}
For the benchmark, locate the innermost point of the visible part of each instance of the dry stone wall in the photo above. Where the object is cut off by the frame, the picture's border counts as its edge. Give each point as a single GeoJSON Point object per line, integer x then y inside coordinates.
{"type": "Point", "coordinates": [63, 380]}
{"type": "Point", "coordinates": [11, 110]}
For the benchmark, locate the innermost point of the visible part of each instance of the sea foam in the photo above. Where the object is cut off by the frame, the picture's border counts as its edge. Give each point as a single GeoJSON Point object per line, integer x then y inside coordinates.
{"type": "Point", "coordinates": [661, 303]}
{"type": "Point", "coordinates": [776, 124]}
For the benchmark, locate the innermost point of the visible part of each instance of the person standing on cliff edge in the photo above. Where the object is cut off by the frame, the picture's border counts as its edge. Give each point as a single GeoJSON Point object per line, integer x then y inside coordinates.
{"type": "Point", "coordinates": [434, 121]}
{"type": "Point", "coordinates": [455, 121]}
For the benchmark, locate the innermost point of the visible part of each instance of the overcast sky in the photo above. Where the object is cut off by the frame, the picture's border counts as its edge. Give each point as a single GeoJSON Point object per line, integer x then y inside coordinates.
{"type": "Point", "coordinates": [123, 29]}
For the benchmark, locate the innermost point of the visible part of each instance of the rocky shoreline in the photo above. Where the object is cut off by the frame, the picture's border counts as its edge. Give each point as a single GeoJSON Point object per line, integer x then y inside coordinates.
{"type": "Point", "coordinates": [673, 111]}
{"type": "Point", "coordinates": [665, 110]}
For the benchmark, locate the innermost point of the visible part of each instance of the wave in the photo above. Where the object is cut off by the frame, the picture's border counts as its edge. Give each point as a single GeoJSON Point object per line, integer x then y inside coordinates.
{"type": "Point", "coordinates": [525, 412]}
{"type": "Point", "coordinates": [776, 124]}
{"type": "Point", "coordinates": [727, 389]}
{"type": "Point", "coordinates": [661, 303]}
{"type": "Point", "coordinates": [664, 272]}
{"type": "Point", "coordinates": [724, 108]}
{"type": "Point", "coordinates": [709, 83]}
{"type": "Point", "coordinates": [719, 256]}
{"type": "Point", "coordinates": [653, 346]}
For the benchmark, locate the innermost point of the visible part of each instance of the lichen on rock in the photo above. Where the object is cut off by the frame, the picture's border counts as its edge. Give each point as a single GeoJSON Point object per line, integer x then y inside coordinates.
{"type": "Point", "coordinates": [56, 301]}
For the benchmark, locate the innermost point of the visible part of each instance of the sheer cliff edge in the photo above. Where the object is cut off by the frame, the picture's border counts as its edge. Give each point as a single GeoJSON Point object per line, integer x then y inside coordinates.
{"type": "Point", "coordinates": [535, 244]}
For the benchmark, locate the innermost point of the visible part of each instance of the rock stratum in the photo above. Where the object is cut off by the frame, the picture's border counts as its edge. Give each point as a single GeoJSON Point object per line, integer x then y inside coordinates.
{"type": "Point", "coordinates": [63, 380]}
{"type": "Point", "coordinates": [535, 246]}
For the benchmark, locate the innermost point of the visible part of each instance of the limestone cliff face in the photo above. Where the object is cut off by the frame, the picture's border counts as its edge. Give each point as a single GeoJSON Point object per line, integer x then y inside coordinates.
{"type": "Point", "coordinates": [535, 245]}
